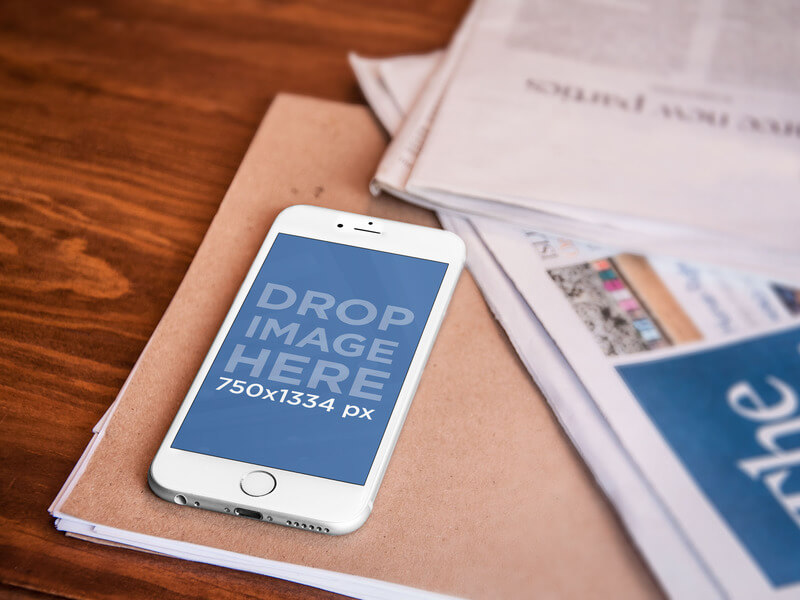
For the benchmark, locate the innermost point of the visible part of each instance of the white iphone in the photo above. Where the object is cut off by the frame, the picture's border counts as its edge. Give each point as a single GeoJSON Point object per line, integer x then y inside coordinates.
{"type": "Point", "coordinates": [297, 407]}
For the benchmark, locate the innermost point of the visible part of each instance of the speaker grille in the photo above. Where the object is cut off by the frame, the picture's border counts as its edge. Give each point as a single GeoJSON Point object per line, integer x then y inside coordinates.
{"type": "Point", "coordinates": [307, 526]}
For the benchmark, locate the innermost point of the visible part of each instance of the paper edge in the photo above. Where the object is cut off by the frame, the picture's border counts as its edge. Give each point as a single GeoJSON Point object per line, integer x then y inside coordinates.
{"type": "Point", "coordinates": [332, 581]}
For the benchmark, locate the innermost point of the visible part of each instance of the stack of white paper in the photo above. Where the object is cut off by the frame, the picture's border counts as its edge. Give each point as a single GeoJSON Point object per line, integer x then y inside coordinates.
{"type": "Point", "coordinates": [678, 382]}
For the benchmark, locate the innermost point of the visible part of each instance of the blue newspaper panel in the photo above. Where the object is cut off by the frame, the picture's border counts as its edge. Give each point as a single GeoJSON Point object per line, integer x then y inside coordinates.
{"type": "Point", "coordinates": [732, 416]}
{"type": "Point", "coordinates": [310, 371]}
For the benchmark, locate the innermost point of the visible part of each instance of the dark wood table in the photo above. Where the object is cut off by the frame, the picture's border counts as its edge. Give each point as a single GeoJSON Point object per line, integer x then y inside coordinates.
{"type": "Point", "coordinates": [121, 125]}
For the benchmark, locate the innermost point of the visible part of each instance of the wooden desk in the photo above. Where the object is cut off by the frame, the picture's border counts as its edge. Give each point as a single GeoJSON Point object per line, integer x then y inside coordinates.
{"type": "Point", "coordinates": [121, 125]}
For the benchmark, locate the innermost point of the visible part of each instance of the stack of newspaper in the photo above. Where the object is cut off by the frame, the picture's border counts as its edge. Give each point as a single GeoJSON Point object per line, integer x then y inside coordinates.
{"type": "Point", "coordinates": [625, 175]}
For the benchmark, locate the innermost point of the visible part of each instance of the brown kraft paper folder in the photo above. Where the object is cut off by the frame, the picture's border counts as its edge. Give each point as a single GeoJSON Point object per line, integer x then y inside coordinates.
{"type": "Point", "coordinates": [484, 496]}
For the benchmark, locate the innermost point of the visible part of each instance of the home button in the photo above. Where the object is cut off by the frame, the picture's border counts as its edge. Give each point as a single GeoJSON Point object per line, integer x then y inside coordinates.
{"type": "Point", "coordinates": [258, 483]}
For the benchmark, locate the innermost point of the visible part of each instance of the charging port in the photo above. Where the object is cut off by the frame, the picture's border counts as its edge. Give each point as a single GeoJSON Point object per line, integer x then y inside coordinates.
{"type": "Point", "coordinates": [250, 514]}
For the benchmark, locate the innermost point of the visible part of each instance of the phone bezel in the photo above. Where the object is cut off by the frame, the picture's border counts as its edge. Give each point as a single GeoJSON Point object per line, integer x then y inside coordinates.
{"type": "Point", "coordinates": [320, 504]}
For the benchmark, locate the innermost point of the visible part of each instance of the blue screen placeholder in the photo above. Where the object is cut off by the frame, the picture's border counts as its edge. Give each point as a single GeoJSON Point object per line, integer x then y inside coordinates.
{"type": "Point", "coordinates": [310, 371]}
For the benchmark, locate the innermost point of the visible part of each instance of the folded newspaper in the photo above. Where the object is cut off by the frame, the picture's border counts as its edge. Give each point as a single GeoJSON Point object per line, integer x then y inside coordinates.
{"type": "Point", "coordinates": [659, 128]}
{"type": "Point", "coordinates": [678, 382]}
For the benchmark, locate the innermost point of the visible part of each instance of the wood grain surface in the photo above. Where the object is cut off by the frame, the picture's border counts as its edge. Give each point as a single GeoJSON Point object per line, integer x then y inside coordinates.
{"type": "Point", "coordinates": [121, 126]}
